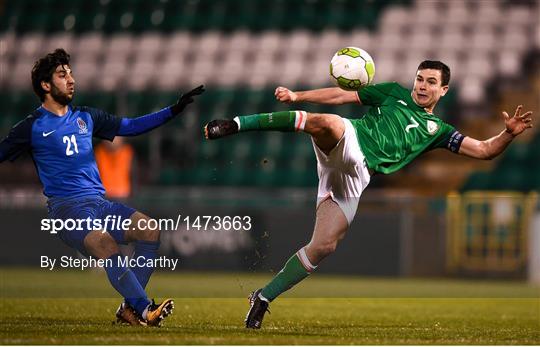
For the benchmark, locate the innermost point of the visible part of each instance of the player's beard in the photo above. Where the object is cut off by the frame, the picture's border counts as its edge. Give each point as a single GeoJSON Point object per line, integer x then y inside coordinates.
{"type": "Point", "coordinates": [60, 97]}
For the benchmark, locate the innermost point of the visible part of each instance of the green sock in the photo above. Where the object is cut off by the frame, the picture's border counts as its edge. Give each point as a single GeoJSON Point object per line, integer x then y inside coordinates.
{"type": "Point", "coordinates": [280, 121]}
{"type": "Point", "coordinates": [295, 270]}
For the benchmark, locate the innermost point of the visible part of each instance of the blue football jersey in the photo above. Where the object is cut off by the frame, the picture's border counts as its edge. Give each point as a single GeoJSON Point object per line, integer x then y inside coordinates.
{"type": "Point", "coordinates": [61, 147]}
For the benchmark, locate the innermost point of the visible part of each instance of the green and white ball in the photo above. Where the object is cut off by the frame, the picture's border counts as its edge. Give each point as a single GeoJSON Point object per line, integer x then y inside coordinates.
{"type": "Point", "coordinates": [352, 68]}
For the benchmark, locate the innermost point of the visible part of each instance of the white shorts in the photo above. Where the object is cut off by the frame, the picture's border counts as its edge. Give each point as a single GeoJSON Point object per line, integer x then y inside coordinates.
{"type": "Point", "coordinates": [343, 173]}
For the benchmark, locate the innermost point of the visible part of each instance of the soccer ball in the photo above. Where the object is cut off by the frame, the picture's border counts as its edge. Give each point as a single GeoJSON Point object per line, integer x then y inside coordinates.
{"type": "Point", "coordinates": [352, 68]}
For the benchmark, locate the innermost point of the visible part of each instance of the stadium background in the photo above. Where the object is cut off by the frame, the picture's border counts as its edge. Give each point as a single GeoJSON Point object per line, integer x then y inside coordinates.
{"type": "Point", "coordinates": [130, 57]}
{"type": "Point", "coordinates": [433, 246]}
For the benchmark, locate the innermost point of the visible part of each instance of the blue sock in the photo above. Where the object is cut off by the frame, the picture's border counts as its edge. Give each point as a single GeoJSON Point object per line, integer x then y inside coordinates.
{"type": "Point", "coordinates": [125, 283]}
{"type": "Point", "coordinates": [147, 250]}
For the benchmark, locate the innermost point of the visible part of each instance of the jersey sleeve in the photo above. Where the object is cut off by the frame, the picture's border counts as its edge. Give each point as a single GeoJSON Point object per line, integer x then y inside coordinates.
{"type": "Point", "coordinates": [143, 124]}
{"type": "Point", "coordinates": [105, 125]}
{"type": "Point", "coordinates": [374, 95]}
{"type": "Point", "coordinates": [449, 138]}
{"type": "Point", "coordinates": [17, 141]}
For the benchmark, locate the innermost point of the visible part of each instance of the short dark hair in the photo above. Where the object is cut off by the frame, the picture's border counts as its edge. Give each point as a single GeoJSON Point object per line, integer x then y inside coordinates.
{"type": "Point", "coordinates": [44, 68]}
{"type": "Point", "coordinates": [437, 65]}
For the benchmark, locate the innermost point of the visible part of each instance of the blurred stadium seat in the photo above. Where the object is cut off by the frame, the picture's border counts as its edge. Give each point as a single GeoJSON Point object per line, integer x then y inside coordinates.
{"type": "Point", "coordinates": [125, 50]}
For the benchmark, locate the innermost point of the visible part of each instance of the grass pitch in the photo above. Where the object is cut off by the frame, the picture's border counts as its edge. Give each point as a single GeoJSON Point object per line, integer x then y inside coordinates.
{"type": "Point", "coordinates": [69, 307]}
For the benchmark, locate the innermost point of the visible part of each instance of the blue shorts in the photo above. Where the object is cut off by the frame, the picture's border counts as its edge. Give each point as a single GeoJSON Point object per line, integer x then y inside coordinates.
{"type": "Point", "coordinates": [93, 207]}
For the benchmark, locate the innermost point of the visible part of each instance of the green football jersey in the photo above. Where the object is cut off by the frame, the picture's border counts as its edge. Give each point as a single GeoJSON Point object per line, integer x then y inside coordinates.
{"type": "Point", "coordinates": [396, 130]}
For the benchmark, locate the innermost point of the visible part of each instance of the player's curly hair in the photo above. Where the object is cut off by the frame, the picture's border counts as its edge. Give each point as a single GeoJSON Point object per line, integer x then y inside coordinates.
{"type": "Point", "coordinates": [44, 68]}
{"type": "Point", "coordinates": [437, 65]}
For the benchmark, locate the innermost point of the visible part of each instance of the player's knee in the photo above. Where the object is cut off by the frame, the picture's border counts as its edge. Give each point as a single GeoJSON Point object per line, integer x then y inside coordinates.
{"type": "Point", "coordinates": [326, 129]}
{"type": "Point", "coordinates": [99, 239]}
{"type": "Point", "coordinates": [323, 123]}
{"type": "Point", "coordinates": [146, 229]}
{"type": "Point", "coordinates": [143, 234]}
{"type": "Point", "coordinates": [150, 235]}
{"type": "Point", "coordinates": [100, 244]}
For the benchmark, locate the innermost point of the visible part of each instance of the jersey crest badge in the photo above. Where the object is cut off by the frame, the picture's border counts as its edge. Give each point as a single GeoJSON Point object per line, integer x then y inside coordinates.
{"type": "Point", "coordinates": [83, 128]}
{"type": "Point", "coordinates": [432, 127]}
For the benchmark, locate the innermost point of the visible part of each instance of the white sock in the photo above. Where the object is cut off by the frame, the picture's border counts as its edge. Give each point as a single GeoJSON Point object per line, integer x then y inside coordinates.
{"type": "Point", "coordinates": [300, 120]}
{"type": "Point", "coordinates": [305, 260]}
{"type": "Point", "coordinates": [263, 298]}
{"type": "Point", "coordinates": [237, 120]}
{"type": "Point", "coordinates": [145, 312]}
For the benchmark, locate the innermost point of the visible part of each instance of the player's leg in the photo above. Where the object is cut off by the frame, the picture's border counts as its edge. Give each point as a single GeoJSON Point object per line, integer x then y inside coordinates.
{"type": "Point", "coordinates": [343, 176]}
{"type": "Point", "coordinates": [102, 245]}
{"type": "Point", "coordinates": [97, 243]}
{"type": "Point", "coordinates": [330, 227]}
{"type": "Point", "coordinates": [145, 239]}
{"type": "Point", "coordinates": [146, 246]}
{"type": "Point", "coordinates": [326, 129]}
{"type": "Point", "coordinates": [146, 242]}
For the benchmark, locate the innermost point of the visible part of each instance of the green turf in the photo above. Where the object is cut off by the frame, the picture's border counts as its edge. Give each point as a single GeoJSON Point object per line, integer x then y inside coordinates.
{"type": "Point", "coordinates": [69, 307]}
{"type": "Point", "coordinates": [77, 284]}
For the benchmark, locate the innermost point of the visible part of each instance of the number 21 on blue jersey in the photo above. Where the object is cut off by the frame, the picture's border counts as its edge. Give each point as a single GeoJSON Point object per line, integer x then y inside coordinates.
{"type": "Point", "coordinates": [70, 142]}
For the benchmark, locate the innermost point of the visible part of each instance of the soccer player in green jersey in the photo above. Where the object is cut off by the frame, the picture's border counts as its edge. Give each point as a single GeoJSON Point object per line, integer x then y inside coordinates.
{"type": "Point", "coordinates": [399, 127]}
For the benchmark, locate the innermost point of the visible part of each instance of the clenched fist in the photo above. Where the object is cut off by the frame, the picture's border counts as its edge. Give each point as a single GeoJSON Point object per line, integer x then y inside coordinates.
{"type": "Point", "coordinates": [285, 95]}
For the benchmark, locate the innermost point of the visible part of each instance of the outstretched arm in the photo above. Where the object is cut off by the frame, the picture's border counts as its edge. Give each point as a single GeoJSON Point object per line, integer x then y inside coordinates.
{"type": "Point", "coordinates": [492, 147]}
{"type": "Point", "coordinates": [327, 96]}
{"type": "Point", "coordinates": [143, 124]}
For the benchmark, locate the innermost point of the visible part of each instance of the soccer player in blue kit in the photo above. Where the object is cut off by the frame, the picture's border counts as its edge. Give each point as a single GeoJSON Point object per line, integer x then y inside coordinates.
{"type": "Point", "coordinates": [59, 138]}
